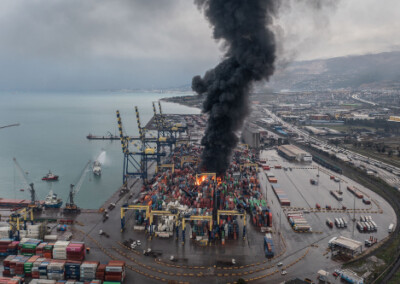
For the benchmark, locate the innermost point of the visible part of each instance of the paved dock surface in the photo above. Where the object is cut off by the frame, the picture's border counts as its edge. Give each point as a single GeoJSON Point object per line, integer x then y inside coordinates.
{"type": "Point", "coordinates": [303, 254]}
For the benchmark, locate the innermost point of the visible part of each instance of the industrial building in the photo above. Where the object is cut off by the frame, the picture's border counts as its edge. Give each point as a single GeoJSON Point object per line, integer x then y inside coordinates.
{"type": "Point", "coordinates": [251, 136]}
{"type": "Point", "coordinates": [343, 245]}
{"type": "Point", "coordinates": [314, 130]}
{"type": "Point", "coordinates": [293, 153]}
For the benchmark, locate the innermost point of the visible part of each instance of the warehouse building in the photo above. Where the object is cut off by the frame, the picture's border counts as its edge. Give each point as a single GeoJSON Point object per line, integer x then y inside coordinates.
{"type": "Point", "coordinates": [343, 245]}
{"type": "Point", "coordinates": [293, 153]}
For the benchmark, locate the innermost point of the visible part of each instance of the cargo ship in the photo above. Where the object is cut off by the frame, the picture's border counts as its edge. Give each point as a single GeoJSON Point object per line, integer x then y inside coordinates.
{"type": "Point", "coordinates": [108, 137]}
{"type": "Point", "coordinates": [50, 176]}
{"type": "Point", "coordinates": [52, 201]}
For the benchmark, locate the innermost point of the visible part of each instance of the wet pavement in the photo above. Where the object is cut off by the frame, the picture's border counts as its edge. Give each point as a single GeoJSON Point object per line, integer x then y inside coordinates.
{"type": "Point", "coordinates": [303, 254]}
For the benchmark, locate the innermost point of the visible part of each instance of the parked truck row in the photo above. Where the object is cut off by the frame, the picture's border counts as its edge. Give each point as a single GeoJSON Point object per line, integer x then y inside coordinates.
{"type": "Point", "coordinates": [340, 222]}
{"type": "Point", "coordinates": [366, 224]}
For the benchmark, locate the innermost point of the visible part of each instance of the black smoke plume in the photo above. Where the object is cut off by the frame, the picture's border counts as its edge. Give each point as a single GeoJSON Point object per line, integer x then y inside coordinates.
{"type": "Point", "coordinates": [250, 55]}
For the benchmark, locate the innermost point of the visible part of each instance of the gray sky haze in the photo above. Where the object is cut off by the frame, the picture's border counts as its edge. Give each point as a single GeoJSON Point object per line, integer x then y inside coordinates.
{"type": "Point", "coordinates": [128, 44]}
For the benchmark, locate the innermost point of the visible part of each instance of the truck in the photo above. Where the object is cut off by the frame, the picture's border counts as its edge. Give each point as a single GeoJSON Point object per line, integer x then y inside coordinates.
{"type": "Point", "coordinates": [329, 223]}
{"type": "Point", "coordinates": [344, 222]}
{"type": "Point", "coordinates": [366, 200]}
{"type": "Point", "coordinates": [337, 222]}
{"type": "Point", "coordinates": [269, 247]}
{"type": "Point", "coordinates": [336, 195]}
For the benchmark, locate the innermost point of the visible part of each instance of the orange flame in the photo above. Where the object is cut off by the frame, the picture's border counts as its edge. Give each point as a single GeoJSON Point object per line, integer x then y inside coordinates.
{"type": "Point", "coordinates": [200, 180]}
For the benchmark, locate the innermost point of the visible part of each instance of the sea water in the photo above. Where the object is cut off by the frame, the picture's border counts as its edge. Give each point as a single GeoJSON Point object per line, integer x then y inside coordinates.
{"type": "Point", "coordinates": [52, 136]}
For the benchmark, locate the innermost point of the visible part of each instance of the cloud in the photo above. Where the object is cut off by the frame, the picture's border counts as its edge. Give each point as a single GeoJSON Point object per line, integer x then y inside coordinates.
{"type": "Point", "coordinates": [102, 44]}
{"type": "Point", "coordinates": [51, 43]}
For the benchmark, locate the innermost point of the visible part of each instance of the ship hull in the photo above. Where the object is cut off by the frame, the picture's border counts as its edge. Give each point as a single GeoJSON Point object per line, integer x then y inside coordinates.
{"type": "Point", "coordinates": [57, 205]}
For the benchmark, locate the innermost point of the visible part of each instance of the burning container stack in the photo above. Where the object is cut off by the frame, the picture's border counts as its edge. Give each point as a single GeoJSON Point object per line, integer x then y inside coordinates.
{"type": "Point", "coordinates": [183, 191]}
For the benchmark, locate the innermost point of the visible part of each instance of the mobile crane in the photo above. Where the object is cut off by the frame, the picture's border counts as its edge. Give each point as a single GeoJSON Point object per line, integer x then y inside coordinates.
{"type": "Point", "coordinates": [70, 206]}
{"type": "Point", "coordinates": [35, 205]}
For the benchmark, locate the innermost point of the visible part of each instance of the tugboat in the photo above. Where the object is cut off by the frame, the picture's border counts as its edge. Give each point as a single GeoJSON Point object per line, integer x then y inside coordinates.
{"type": "Point", "coordinates": [50, 176]}
{"type": "Point", "coordinates": [97, 168]}
{"type": "Point", "coordinates": [52, 201]}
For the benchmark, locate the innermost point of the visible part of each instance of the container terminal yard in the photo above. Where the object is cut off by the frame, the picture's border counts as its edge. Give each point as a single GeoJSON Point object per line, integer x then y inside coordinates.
{"type": "Point", "coordinates": [271, 217]}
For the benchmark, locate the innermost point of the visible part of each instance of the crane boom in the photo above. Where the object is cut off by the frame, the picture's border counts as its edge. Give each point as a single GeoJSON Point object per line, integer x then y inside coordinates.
{"type": "Point", "coordinates": [27, 185]}
{"type": "Point", "coordinates": [22, 174]}
{"type": "Point", "coordinates": [155, 116]}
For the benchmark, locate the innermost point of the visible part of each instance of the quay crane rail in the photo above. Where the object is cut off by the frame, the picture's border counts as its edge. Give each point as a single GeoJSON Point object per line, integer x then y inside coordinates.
{"type": "Point", "coordinates": [35, 205]}
{"type": "Point", "coordinates": [70, 206]}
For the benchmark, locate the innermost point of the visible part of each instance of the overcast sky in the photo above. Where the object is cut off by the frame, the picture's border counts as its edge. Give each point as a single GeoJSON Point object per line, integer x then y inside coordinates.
{"type": "Point", "coordinates": [104, 44]}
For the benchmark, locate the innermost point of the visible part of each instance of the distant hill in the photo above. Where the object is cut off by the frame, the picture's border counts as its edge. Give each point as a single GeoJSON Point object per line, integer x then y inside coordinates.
{"type": "Point", "coordinates": [371, 71]}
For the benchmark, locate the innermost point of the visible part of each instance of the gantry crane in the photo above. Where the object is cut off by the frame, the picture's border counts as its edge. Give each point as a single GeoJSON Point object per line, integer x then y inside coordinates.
{"type": "Point", "coordinates": [164, 213]}
{"type": "Point", "coordinates": [145, 208]}
{"type": "Point", "coordinates": [165, 136]}
{"type": "Point", "coordinates": [207, 218]}
{"type": "Point", "coordinates": [135, 162]}
{"type": "Point", "coordinates": [35, 205]}
{"type": "Point", "coordinates": [70, 206]}
{"type": "Point", "coordinates": [16, 218]}
{"type": "Point", "coordinates": [172, 129]}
